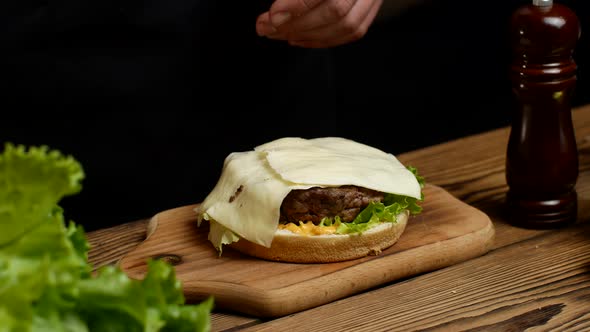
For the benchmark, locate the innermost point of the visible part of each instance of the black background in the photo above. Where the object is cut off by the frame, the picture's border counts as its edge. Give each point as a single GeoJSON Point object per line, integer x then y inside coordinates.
{"type": "Point", "coordinates": [151, 96]}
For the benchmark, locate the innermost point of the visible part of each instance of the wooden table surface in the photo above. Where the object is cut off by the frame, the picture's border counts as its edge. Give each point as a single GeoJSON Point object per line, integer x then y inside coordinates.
{"type": "Point", "coordinates": [532, 279]}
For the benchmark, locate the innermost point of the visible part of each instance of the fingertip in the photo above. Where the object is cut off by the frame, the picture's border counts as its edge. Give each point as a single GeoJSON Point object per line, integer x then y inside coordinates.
{"type": "Point", "coordinates": [263, 18]}
{"type": "Point", "coordinates": [279, 18]}
{"type": "Point", "coordinates": [282, 11]}
{"type": "Point", "coordinates": [265, 29]}
{"type": "Point", "coordinates": [263, 25]}
{"type": "Point", "coordinates": [279, 6]}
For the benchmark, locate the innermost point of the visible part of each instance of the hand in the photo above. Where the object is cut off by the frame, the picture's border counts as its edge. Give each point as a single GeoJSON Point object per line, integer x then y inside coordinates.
{"type": "Point", "coordinates": [318, 23]}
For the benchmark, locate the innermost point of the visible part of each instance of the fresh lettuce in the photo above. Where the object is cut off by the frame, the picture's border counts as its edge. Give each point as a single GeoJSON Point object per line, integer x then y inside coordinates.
{"type": "Point", "coordinates": [377, 212]}
{"type": "Point", "coordinates": [46, 282]}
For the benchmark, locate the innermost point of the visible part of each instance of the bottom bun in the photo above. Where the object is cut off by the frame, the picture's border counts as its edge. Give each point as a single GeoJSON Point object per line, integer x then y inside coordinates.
{"type": "Point", "coordinates": [294, 248]}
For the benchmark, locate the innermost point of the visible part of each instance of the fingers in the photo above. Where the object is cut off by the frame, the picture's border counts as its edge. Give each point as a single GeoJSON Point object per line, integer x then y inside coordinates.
{"type": "Point", "coordinates": [283, 10]}
{"type": "Point", "coordinates": [318, 23]}
{"type": "Point", "coordinates": [351, 27]}
{"type": "Point", "coordinates": [263, 25]}
{"type": "Point", "coordinates": [345, 38]}
{"type": "Point", "coordinates": [324, 13]}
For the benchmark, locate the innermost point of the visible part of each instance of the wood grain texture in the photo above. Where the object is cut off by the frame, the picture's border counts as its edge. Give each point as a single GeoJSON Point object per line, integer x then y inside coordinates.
{"type": "Point", "coordinates": [448, 231]}
{"type": "Point", "coordinates": [472, 169]}
{"type": "Point", "coordinates": [548, 289]}
{"type": "Point", "coordinates": [110, 244]}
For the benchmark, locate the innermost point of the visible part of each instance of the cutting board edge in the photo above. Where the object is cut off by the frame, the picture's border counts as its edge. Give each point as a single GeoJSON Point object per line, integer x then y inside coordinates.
{"type": "Point", "coordinates": [274, 302]}
{"type": "Point", "coordinates": [151, 227]}
{"type": "Point", "coordinates": [279, 302]}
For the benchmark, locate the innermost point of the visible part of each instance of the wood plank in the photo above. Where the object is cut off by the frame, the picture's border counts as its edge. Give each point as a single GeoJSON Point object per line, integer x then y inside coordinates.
{"type": "Point", "coordinates": [540, 283]}
{"type": "Point", "coordinates": [108, 245]}
{"type": "Point", "coordinates": [446, 232]}
{"type": "Point", "coordinates": [472, 169]}
{"type": "Point", "coordinates": [221, 321]}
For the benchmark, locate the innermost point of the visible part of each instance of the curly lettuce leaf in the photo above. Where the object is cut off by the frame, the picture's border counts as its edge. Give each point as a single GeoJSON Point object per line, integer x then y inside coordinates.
{"type": "Point", "coordinates": [46, 282]}
{"type": "Point", "coordinates": [31, 183]}
{"type": "Point", "coordinates": [155, 303]}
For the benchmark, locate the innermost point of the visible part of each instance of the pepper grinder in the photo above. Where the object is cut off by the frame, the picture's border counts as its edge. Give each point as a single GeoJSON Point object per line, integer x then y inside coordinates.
{"type": "Point", "coordinates": [542, 156]}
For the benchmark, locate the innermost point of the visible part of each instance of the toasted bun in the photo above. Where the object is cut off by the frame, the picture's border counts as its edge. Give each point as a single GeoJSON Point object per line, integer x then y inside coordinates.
{"type": "Point", "coordinates": [295, 248]}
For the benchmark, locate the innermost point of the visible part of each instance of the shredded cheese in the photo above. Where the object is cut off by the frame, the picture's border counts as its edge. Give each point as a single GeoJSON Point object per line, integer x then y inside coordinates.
{"type": "Point", "coordinates": [308, 228]}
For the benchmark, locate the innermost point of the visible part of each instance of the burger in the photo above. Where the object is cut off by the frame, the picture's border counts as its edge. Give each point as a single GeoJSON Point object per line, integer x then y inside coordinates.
{"type": "Point", "coordinates": [319, 200]}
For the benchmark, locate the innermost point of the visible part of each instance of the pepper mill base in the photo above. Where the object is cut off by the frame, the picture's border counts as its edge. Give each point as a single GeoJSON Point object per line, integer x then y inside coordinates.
{"type": "Point", "coordinates": [542, 214]}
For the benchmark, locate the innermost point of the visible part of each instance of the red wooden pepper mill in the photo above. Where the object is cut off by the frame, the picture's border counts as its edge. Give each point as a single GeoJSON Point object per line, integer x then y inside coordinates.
{"type": "Point", "coordinates": [542, 156]}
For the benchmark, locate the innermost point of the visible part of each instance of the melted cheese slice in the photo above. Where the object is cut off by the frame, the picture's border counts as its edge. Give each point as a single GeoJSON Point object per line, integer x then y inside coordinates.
{"type": "Point", "coordinates": [247, 197]}
{"type": "Point", "coordinates": [334, 161]}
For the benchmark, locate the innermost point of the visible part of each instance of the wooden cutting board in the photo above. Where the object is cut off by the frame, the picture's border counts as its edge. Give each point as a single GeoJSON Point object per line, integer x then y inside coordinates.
{"type": "Point", "coordinates": [448, 231]}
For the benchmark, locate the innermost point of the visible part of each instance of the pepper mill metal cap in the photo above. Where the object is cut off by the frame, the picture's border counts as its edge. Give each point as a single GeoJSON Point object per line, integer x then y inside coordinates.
{"type": "Point", "coordinates": [542, 3]}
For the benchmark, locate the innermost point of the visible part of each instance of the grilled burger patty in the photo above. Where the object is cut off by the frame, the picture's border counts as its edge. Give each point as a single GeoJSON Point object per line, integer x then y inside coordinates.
{"type": "Point", "coordinates": [316, 203]}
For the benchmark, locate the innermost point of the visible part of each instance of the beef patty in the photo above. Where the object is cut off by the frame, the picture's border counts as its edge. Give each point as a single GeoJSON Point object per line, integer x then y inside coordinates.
{"type": "Point", "coordinates": [316, 203]}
